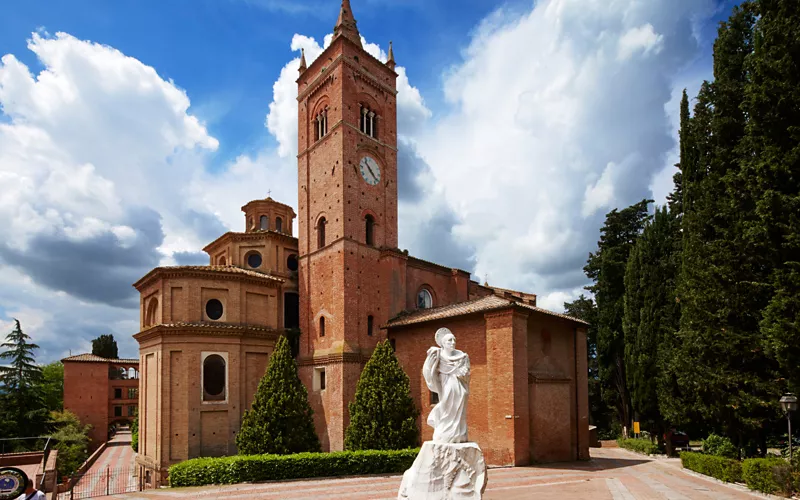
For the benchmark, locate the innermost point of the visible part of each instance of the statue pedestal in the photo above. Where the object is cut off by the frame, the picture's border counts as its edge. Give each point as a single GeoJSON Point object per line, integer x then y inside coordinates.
{"type": "Point", "coordinates": [445, 471]}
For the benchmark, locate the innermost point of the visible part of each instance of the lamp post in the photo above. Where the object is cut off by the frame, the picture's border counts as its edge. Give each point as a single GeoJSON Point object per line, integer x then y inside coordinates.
{"type": "Point", "coordinates": [789, 405]}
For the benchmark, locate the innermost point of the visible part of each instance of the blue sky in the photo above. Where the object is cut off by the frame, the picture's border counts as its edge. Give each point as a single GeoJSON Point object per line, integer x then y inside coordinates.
{"type": "Point", "coordinates": [522, 123]}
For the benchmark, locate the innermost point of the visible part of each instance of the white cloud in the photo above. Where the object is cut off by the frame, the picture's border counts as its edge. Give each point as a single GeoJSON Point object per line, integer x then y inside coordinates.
{"type": "Point", "coordinates": [557, 117]}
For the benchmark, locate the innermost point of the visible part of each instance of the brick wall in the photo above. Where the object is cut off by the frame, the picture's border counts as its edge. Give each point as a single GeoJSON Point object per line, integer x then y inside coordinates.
{"type": "Point", "coordinates": [86, 394]}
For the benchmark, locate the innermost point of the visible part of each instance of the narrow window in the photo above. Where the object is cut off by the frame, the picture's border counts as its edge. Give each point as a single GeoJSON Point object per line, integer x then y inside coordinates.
{"type": "Point", "coordinates": [279, 224]}
{"type": "Point", "coordinates": [117, 411]}
{"type": "Point", "coordinates": [131, 411]}
{"type": "Point", "coordinates": [117, 393]}
{"type": "Point", "coordinates": [264, 223]}
{"type": "Point", "coordinates": [370, 230]}
{"type": "Point", "coordinates": [321, 232]}
{"type": "Point", "coordinates": [370, 321]}
{"type": "Point", "coordinates": [322, 326]}
{"type": "Point", "coordinates": [133, 393]}
{"type": "Point", "coordinates": [393, 344]}
{"type": "Point", "coordinates": [214, 378]}
{"type": "Point", "coordinates": [322, 380]}
{"type": "Point", "coordinates": [319, 382]}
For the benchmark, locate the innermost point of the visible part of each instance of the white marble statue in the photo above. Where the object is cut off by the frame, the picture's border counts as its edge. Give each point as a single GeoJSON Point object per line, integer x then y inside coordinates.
{"type": "Point", "coordinates": [448, 467]}
{"type": "Point", "coordinates": [446, 371]}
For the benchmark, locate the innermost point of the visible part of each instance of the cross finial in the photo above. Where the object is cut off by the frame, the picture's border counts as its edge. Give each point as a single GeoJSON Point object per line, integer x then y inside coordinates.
{"type": "Point", "coordinates": [269, 193]}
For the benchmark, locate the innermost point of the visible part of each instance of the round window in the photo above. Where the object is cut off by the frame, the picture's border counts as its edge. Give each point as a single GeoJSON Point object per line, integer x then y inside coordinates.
{"type": "Point", "coordinates": [254, 260]}
{"type": "Point", "coordinates": [214, 375]}
{"type": "Point", "coordinates": [214, 309]}
{"type": "Point", "coordinates": [291, 262]}
{"type": "Point", "coordinates": [424, 299]}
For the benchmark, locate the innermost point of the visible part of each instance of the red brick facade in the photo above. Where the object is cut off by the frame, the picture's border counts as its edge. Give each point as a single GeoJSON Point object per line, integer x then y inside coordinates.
{"type": "Point", "coordinates": [347, 285]}
{"type": "Point", "coordinates": [101, 392]}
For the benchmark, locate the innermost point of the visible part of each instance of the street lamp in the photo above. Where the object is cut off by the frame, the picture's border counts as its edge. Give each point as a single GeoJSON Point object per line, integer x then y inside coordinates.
{"type": "Point", "coordinates": [789, 405]}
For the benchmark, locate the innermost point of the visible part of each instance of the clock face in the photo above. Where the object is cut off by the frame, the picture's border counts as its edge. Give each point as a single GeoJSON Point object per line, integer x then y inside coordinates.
{"type": "Point", "coordinates": [370, 170]}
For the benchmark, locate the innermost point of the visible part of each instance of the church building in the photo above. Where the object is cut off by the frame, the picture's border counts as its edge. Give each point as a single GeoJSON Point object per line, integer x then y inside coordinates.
{"type": "Point", "coordinates": [207, 331]}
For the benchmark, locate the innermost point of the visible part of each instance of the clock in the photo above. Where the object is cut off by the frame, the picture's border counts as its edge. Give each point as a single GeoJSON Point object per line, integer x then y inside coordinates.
{"type": "Point", "coordinates": [370, 170]}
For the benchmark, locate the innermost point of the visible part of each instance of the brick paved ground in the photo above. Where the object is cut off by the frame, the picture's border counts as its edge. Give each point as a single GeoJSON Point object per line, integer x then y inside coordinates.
{"type": "Point", "coordinates": [111, 472]}
{"type": "Point", "coordinates": [613, 474]}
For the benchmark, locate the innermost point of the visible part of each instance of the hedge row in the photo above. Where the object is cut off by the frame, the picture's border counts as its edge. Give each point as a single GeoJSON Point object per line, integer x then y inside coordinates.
{"type": "Point", "coordinates": [252, 468]}
{"type": "Point", "coordinates": [724, 469]}
{"type": "Point", "coordinates": [644, 446]}
{"type": "Point", "coordinates": [770, 475]}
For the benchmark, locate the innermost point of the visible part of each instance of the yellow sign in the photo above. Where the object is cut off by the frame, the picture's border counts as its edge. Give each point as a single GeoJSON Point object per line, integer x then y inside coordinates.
{"type": "Point", "coordinates": [636, 428]}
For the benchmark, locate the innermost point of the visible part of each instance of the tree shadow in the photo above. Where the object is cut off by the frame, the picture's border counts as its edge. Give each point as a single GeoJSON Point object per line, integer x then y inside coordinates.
{"type": "Point", "coordinates": [593, 465]}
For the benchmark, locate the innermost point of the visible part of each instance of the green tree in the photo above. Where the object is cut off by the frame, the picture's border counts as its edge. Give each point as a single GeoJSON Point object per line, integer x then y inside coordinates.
{"type": "Point", "coordinates": [26, 414]}
{"type": "Point", "coordinates": [772, 103]}
{"type": "Point", "coordinates": [606, 268]}
{"type": "Point", "coordinates": [281, 419]}
{"type": "Point", "coordinates": [135, 432]}
{"type": "Point", "coordinates": [52, 385]}
{"type": "Point", "coordinates": [600, 414]}
{"type": "Point", "coordinates": [725, 378]}
{"type": "Point", "coordinates": [105, 346]}
{"type": "Point", "coordinates": [72, 440]}
{"type": "Point", "coordinates": [651, 317]}
{"type": "Point", "coordinates": [382, 415]}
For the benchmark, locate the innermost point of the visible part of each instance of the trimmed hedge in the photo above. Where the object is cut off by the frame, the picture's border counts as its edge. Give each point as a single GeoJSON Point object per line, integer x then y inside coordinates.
{"type": "Point", "coordinates": [252, 468]}
{"type": "Point", "coordinates": [724, 469]}
{"type": "Point", "coordinates": [768, 475]}
{"type": "Point", "coordinates": [644, 446]}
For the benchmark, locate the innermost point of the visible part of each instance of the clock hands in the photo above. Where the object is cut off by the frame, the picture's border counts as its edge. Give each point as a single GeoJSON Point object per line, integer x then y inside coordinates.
{"type": "Point", "coordinates": [373, 173]}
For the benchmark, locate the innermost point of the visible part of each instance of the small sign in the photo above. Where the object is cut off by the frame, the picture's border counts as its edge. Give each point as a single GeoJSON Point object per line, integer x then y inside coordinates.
{"type": "Point", "coordinates": [12, 482]}
{"type": "Point", "coordinates": [636, 428]}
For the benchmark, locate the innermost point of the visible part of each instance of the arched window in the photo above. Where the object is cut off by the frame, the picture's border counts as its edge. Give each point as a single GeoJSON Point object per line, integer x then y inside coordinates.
{"type": "Point", "coordinates": [264, 223]}
{"type": "Point", "coordinates": [214, 378]}
{"type": "Point", "coordinates": [369, 222]}
{"type": "Point", "coordinates": [291, 262]}
{"type": "Point", "coordinates": [321, 124]}
{"type": "Point", "coordinates": [322, 326]}
{"type": "Point", "coordinates": [222, 261]}
{"type": "Point", "coordinates": [370, 322]}
{"type": "Point", "coordinates": [368, 121]}
{"type": "Point", "coordinates": [279, 224]}
{"type": "Point", "coordinates": [321, 232]}
{"type": "Point", "coordinates": [424, 299]}
{"type": "Point", "coordinates": [151, 316]}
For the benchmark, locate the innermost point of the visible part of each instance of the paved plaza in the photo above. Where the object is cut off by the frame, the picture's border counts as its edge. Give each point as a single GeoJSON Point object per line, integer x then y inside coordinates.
{"type": "Point", "coordinates": [612, 473]}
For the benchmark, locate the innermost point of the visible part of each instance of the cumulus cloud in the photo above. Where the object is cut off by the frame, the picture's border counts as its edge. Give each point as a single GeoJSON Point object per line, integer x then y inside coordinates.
{"type": "Point", "coordinates": [557, 117]}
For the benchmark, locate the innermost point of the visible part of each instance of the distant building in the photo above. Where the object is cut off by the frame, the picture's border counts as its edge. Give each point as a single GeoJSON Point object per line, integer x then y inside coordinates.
{"type": "Point", "coordinates": [101, 392]}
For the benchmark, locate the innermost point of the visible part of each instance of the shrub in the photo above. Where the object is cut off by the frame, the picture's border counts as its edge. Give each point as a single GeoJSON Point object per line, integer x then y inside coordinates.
{"type": "Point", "coordinates": [382, 415]}
{"type": "Point", "coordinates": [135, 432]}
{"type": "Point", "coordinates": [644, 446]}
{"type": "Point", "coordinates": [719, 446]}
{"type": "Point", "coordinates": [251, 468]}
{"type": "Point", "coordinates": [280, 420]}
{"type": "Point", "coordinates": [767, 475]}
{"type": "Point", "coordinates": [72, 441]}
{"type": "Point", "coordinates": [724, 469]}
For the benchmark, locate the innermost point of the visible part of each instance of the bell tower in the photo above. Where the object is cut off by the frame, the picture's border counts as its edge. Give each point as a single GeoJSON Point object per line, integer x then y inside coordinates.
{"type": "Point", "coordinates": [347, 202]}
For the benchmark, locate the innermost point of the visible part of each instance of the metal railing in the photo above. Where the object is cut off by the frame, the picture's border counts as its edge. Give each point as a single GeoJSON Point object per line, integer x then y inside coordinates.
{"type": "Point", "coordinates": [100, 483]}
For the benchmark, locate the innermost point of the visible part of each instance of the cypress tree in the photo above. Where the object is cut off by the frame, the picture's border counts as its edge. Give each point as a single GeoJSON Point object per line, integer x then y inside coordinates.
{"type": "Point", "coordinates": [651, 316]}
{"type": "Point", "coordinates": [280, 419]}
{"type": "Point", "coordinates": [606, 268]}
{"type": "Point", "coordinates": [773, 171]}
{"type": "Point", "coordinates": [382, 415]}
{"type": "Point", "coordinates": [105, 346]}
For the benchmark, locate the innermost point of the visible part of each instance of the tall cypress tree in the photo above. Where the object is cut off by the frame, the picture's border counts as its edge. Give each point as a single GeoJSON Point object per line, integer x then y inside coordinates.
{"type": "Point", "coordinates": [651, 316]}
{"type": "Point", "coordinates": [722, 377]}
{"type": "Point", "coordinates": [382, 415]}
{"type": "Point", "coordinates": [280, 420]}
{"type": "Point", "coordinates": [773, 172]}
{"type": "Point", "coordinates": [606, 268]}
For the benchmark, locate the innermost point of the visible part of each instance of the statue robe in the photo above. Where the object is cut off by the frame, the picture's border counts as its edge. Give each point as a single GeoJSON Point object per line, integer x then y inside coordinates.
{"type": "Point", "coordinates": [448, 376]}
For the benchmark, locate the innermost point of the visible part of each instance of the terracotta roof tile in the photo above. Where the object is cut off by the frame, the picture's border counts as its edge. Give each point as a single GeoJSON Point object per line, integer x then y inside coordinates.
{"type": "Point", "coordinates": [223, 269]}
{"type": "Point", "coordinates": [483, 304]}
{"type": "Point", "coordinates": [92, 358]}
{"type": "Point", "coordinates": [220, 326]}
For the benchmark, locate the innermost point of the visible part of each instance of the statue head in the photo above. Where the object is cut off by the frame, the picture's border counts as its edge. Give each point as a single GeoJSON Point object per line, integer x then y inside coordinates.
{"type": "Point", "coordinates": [445, 339]}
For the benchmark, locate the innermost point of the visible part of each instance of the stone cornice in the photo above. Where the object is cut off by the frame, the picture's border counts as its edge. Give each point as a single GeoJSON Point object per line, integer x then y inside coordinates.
{"type": "Point", "coordinates": [320, 79]}
{"type": "Point", "coordinates": [177, 273]}
{"type": "Point", "coordinates": [209, 329]}
{"type": "Point", "coordinates": [256, 235]}
{"type": "Point", "coordinates": [342, 123]}
{"type": "Point", "coordinates": [329, 359]}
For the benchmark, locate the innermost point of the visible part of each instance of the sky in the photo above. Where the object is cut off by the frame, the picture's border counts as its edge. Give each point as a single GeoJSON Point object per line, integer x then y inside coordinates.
{"type": "Point", "coordinates": [131, 133]}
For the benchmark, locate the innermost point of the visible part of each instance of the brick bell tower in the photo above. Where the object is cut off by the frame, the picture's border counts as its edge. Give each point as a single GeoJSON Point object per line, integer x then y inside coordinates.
{"type": "Point", "coordinates": [347, 202]}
